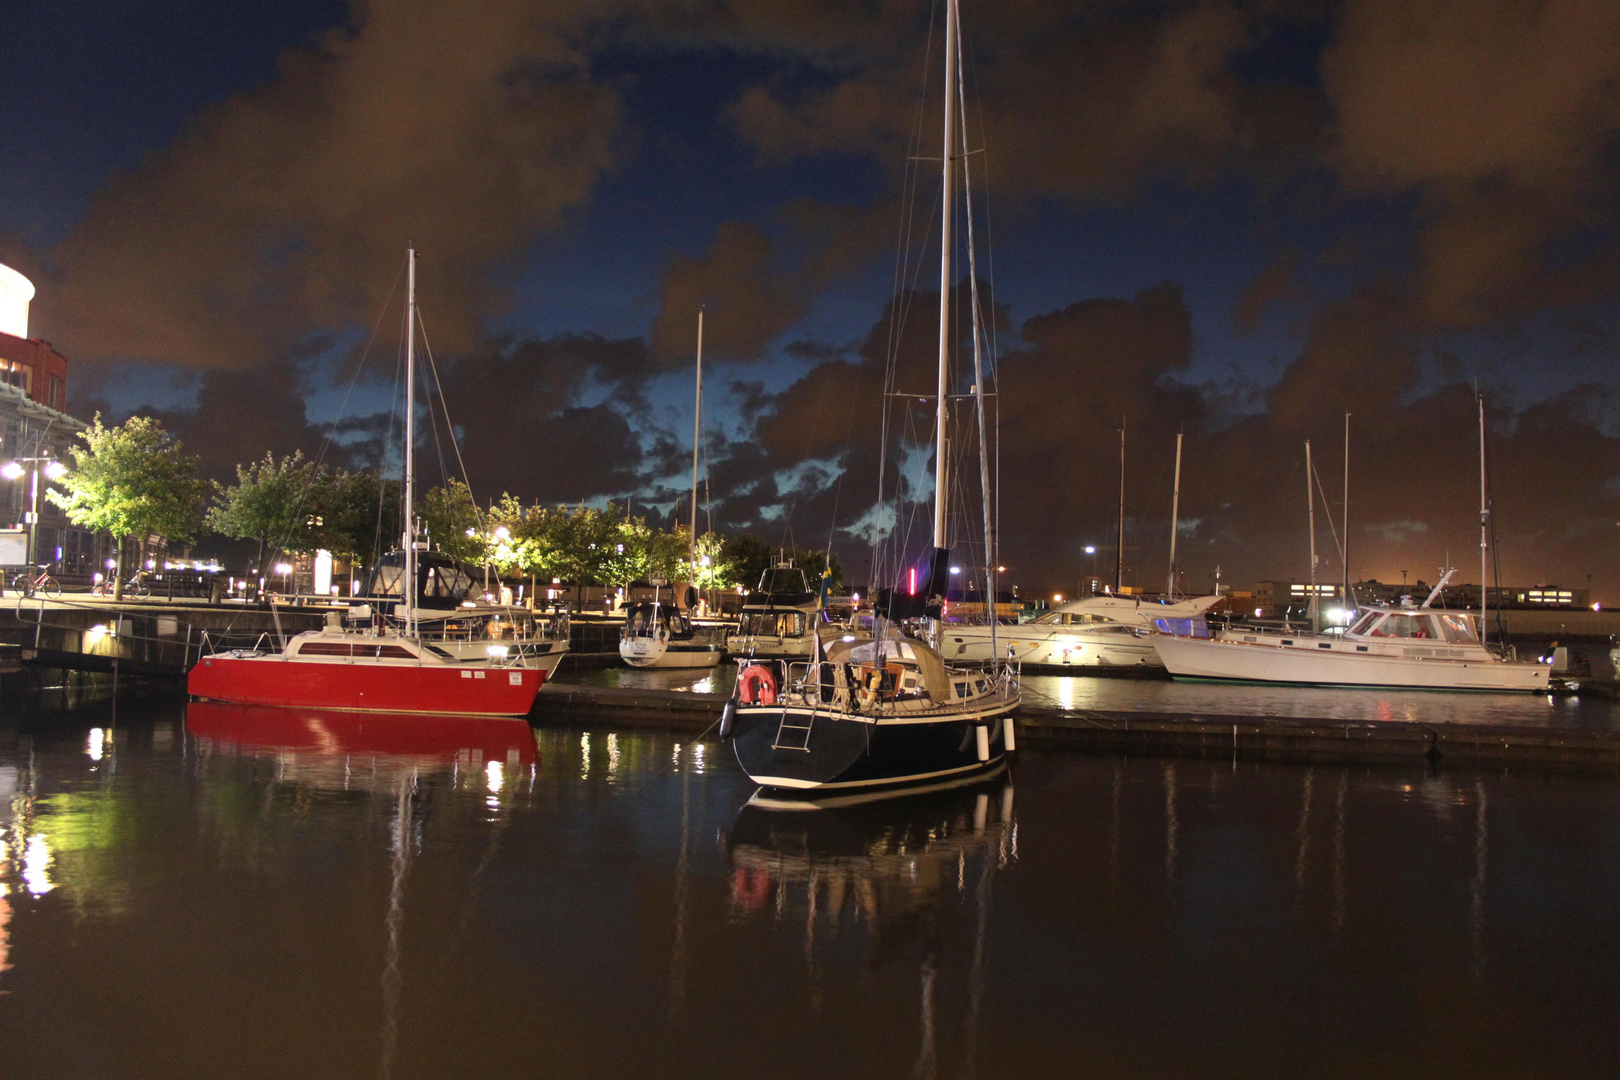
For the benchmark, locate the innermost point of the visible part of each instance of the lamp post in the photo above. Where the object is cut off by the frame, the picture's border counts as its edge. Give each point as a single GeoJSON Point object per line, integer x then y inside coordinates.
{"type": "Point", "coordinates": [1091, 549]}
{"type": "Point", "coordinates": [13, 470]}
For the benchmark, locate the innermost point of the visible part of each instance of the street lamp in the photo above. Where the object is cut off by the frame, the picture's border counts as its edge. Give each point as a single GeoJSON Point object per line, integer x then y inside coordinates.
{"type": "Point", "coordinates": [13, 470]}
{"type": "Point", "coordinates": [1091, 549]}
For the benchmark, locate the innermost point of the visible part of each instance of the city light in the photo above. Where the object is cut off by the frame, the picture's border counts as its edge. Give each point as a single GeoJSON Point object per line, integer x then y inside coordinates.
{"type": "Point", "coordinates": [12, 470]}
{"type": "Point", "coordinates": [1091, 549]}
{"type": "Point", "coordinates": [55, 470]}
{"type": "Point", "coordinates": [1057, 598]}
{"type": "Point", "coordinates": [956, 569]}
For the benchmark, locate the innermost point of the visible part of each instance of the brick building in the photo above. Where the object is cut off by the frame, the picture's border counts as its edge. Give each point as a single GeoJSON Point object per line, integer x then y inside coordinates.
{"type": "Point", "coordinates": [34, 425]}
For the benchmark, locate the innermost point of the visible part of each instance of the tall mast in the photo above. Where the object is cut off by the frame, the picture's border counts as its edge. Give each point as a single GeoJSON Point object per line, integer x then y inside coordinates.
{"type": "Point", "coordinates": [1119, 551]}
{"type": "Point", "coordinates": [947, 205]}
{"type": "Point", "coordinates": [697, 422]}
{"type": "Point", "coordinates": [408, 586]}
{"type": "Point", "coordinates": [1175, 508]}
{"type": "Point", "coordinates": [1310, 514]}
{"type": "Point", "coordinates": [978, 375]}
{"type": "Point", "coordinates": [1345, 550]}
{"type": "Point", "coordinates": [1484, 520]}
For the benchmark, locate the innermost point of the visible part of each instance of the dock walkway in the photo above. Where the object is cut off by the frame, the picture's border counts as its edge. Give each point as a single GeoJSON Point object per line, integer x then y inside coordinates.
{"type": "Point", "coordinates": [1203, 735]}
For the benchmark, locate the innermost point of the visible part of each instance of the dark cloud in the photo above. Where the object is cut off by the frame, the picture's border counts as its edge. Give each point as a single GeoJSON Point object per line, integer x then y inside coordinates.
{"type": "Point", "coordinates": [1504, 117]}
{"type": "Point", "coordinates": [1079, 372]}
{"type": "Point", "coordinates": [282, 210]}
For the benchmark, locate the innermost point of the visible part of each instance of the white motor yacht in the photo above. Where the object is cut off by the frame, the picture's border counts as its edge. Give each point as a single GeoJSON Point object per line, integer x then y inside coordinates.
{"type": "Point", "coordinates": [1099, 631]}
{"type": "Point", "coordinates": [1387, 646]}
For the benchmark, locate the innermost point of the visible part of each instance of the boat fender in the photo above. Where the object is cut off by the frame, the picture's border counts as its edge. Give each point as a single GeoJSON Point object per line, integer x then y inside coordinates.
{"type": "Point", "coordinates": [1009, 741]}
{"type": "Point", "coordinates": [981, 739]}
{"type": "Point", "coordinates": [728, 715]}
{"type": "Point", "coordinates": [757, 684]}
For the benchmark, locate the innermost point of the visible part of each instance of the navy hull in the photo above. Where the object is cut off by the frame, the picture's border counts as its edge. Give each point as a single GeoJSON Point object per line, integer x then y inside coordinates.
{"type": "Point", "coordinates": [845, 752]}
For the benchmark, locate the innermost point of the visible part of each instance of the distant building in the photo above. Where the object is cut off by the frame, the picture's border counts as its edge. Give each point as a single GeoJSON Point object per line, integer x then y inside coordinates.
{"type": "Point", "coordinates": [33, 425]}
{"type": "Point", "coordinates": [1291, 599]}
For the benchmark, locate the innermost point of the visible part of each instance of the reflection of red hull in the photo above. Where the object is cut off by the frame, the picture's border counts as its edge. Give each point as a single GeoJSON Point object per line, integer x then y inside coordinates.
{"type": "Point", "coordinates": [451, 689]}
{"type": "Point", "coordinates": [440, 738]}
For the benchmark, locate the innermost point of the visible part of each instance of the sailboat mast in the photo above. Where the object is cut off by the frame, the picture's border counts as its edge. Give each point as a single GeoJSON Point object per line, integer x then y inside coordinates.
{"type": "Point", "coordinates": [697, 425]}
{"type": "Point", "coordinates": [1175, 508]}
{"type": "Point", "coordinates": [1119, 551]}
{"type": "Point", "coordinates": [408, 585]}
{"type": "Point", "coordinates": [1346, 548]}
{"type": "Point", "coordinates": [978, 373]}
{"type": "Point", "coordinates": [947, 206]}
{"type": "Point", "coordinates": [1310, 514]}
{"type": "Point", "coordinates": [1484, 520]}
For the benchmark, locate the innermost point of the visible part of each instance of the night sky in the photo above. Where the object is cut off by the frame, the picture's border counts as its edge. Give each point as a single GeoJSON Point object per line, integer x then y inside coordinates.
{"type": "Point", "coordinates": [1236, 221]}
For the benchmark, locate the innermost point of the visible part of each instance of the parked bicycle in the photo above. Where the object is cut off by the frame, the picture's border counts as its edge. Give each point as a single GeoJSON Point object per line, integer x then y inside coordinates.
{"type": "Point", "coordinates": [135, 586]}
{"type": "Point", "coordinates": [29, 583]}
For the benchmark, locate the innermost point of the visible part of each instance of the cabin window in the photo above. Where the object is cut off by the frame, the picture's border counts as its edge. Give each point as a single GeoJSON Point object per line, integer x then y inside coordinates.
{"type": "Point", "coordinates": [1457, 628]}
{"type": "Point", "coordinates": [395, 652]}
{"type": "Point", "coordinates": [1404, 626]}
{"type": "Point", "coordinates": [324, 648]}
{"type": "Point", "coordinates": [1363, 624]}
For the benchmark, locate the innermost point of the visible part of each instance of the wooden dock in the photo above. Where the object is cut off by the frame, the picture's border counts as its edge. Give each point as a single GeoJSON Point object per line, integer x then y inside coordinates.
{"type": "Point", "coordinates": [1203, 735]}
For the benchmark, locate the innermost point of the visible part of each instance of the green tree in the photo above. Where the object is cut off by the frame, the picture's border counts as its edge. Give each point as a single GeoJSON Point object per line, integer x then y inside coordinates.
{"type": "Point", "coordinates": [273, 502]}
{"type": "Point", "coordinates": [713, 569]}
{"type": "Point", "coordinates": [132, 480]}
{"type": "Point", "coordinates": [748, 557]}
{"type": "Point", "coordinates": [524, 540]}
{"type": "Point", "coordinates": [455, 524]}
{"type": "Point", "coordinates": [356, 515]}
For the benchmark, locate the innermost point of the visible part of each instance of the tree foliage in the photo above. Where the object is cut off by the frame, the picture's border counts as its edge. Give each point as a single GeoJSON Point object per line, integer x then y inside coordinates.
{"type": "Point", "coordinates": [454, 524]}
{"type": "Point", "coordinates": [272, 502]}
{"type": "Point", "coordinates": [132, 480]}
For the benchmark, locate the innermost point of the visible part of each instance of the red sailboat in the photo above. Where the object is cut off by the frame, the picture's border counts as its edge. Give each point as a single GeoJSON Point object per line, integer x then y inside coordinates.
{"type": "Point", "coordinates": [379, 667]}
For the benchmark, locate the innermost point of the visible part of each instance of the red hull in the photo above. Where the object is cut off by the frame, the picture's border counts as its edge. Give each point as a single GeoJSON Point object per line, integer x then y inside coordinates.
{"type": "Point", "coordinates": [325, 731]}
{"type": "Point", "coordinates": [445, 689]}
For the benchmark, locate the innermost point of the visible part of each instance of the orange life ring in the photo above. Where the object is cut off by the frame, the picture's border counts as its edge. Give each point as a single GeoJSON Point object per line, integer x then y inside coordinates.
{"type": "Point", "coordinates": [757, 684]}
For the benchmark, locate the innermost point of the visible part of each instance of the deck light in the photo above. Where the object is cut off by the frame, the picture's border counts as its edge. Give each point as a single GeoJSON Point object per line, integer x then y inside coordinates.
{"type": "Point", "coordinates": [497, 651]}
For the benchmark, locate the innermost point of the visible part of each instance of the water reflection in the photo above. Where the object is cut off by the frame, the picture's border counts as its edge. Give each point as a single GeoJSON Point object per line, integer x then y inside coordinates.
{"type": "Point", "coordinates": [355, 750]}
{"type": "Point", "coordinates": [287, 898]}
{"type": "Point", "coordinates": [891, 865]}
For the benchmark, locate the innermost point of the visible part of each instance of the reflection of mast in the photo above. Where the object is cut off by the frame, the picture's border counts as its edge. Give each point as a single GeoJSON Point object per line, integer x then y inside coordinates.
{"type": "Point", "coordinates": [1172, 825]}
{"type": "Point", "coordinates": [981, 932]}
{"type": "Point", "coordinates": [677, 952]}
{"type": "Point", "coordinates": [1476, 886]}
{"type": "Point", "coordinates": [393, 978]}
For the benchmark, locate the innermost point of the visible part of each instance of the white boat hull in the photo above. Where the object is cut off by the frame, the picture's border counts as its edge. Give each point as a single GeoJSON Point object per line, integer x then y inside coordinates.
{"type": "Point", "coordinates": [650, 653]}
{"type": "Point", "coordinates": [1056, 647]}
{"type": "Point", "coordinates": [1202, 658]}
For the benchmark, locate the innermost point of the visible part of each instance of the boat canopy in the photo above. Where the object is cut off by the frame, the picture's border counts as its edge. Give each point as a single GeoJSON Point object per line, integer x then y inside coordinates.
{"type": "Point", "coordinates": [931, 674]}
{"type": "Point", "coordinates": [1456, 627]}
{"type": "Point", "coordinates": [441, 583]}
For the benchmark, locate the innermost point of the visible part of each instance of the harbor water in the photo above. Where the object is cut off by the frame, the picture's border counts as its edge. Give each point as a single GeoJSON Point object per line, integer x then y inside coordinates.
{"type": "Point", "coordinates": [1157, 695]}
{"type": "Point", "coordinates": [227, 892]}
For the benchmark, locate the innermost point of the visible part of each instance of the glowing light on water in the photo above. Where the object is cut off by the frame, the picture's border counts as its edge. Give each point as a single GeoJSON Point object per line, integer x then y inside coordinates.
{"type": "Point", "coordinates": [492, 772]}
{"type": "Point", "coordinates": [584, 757]}
{"type": "Point", "coordinates": [704, 686]}
{"type": "Point", "coordinates": [1066, 692]}
{"type": "Point", "coordinates": [613, 756]}
{"type": "Point", "coordinates": [36, 861]}
{"type": "Point", "coordinates": [675, 756]}
{"type": "Point", "coordinates": [96, 736]}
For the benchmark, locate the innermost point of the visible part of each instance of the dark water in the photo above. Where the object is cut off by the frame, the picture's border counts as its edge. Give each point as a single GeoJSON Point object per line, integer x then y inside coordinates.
{"type": "Point", "coordinates": [286, 894]}
{"type": "Point", "coordinates": [1582, 712]}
